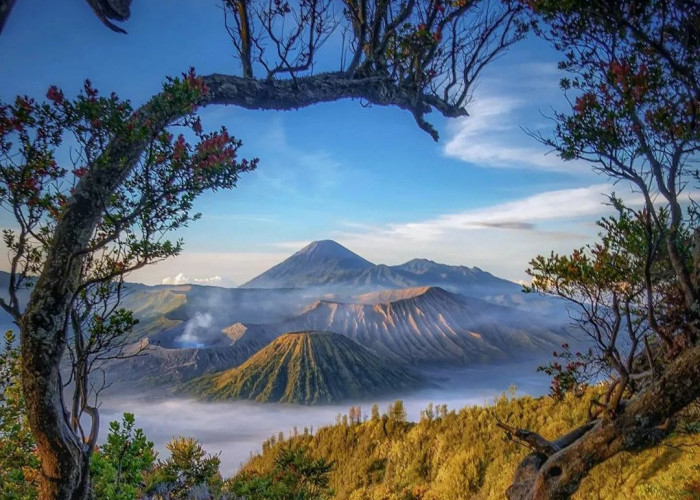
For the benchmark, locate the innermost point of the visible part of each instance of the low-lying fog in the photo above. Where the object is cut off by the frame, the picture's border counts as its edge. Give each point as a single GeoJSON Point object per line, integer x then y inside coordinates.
{"type": "Point", "coordinates": [237, 429]}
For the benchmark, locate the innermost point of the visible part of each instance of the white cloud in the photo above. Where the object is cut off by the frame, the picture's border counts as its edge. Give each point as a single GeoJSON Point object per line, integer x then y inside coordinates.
{"type": "Point", "coordinates": [491, 137]}
{"type": "Point", "coordinates": [179, 279]}
{"type": "Point", "coordinates": [182, 279]}
{"type": "Point", "coordinates": [213, 280]}
{"type": "Point", "coordinates": [501, 238]}
{"type": "Point", "coordinates": [231, 268]}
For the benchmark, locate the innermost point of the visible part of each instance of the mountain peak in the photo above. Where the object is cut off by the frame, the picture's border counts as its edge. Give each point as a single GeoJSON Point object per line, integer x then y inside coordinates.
{"type": "Point", "coordinates": [329, 249]}
{"type": "Point", "coordinates": [318, 263]}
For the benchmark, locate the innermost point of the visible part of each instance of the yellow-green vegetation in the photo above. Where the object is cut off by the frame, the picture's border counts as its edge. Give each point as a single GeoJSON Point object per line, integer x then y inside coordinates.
{"type": "Point", "coordinates": [463, 455]}
{"type": "Point", "coordinates": [670, 471]}
{"type": "Point", "coordinates": [306, 368]}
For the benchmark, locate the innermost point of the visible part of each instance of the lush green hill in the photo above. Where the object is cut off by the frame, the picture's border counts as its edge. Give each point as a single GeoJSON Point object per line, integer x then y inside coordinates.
{"type": "Point", "coordinates": [306, 368]}
{"type": "Point", "coordinates": [463, 455]}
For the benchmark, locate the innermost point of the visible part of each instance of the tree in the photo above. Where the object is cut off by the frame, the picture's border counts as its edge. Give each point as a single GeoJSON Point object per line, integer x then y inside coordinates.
{"type": "Point", "coordinates": [105, 10]}
{"type": "Point", "coordinates": [606, 284]}
{"type": "Point", "coordinates": [294, 476]}
{"type": "Point", "coordinates": [126, 230]}
{"type": "Point", "coordinates": [19, 466]}
{"type": "Point", "coordinates": [375, 415]}
{"type": "Point", "coordinates": [634, 69]}
{"type": "Point", "coordinates": [188, 468]}
{"type": "Point", "coordinates": [396, 412]}
{"type": "Point", "coordinates": [634, 118]}
{"type": "Point", "coordinates": [118, 467]}
{"type": "Point", "coordinates": [419, 56]}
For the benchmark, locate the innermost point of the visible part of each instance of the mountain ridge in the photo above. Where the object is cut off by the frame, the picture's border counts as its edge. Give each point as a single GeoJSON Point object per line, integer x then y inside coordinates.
{"type": "Point", "coordinates": [318, 263]}
{"type": "Point", "coordinates": [326, 263]}
{"type": "Point", "coordinates": [308, 367]}
{"type": "Point", "coordinates": [426, 325]}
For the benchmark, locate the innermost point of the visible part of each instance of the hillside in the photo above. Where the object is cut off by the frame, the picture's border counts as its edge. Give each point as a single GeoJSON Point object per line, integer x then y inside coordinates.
{"type": "Point", "coordinates": [424, 325]}
{"type": "Point", "coordinates": [462, 455]}
{"type": "Point", "coordinates": [306, 368]}
{"type": "Point", "coordinates": [163, 368]}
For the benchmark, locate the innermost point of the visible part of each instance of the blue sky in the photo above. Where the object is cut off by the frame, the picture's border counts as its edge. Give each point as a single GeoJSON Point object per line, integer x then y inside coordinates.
{"type": "Point", "coordinates": [486, 195]}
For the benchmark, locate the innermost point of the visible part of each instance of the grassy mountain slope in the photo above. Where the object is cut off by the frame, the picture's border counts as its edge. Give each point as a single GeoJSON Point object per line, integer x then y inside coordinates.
{"type": "Point", "coordinates": [463, 455]}
{"type": "Point", "coordinates": [306, 368]}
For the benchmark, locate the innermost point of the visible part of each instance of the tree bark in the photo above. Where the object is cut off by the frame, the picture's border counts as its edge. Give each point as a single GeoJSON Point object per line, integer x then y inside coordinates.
{"type": "Point", "coordinates": [638, 425]}
{"type": "Point", "coordinates": [305, 91]}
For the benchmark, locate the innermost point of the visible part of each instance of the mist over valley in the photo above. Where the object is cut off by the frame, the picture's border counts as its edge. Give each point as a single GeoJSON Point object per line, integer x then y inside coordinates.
{"type": "Point", "coordinates": [422, 332]}
{"type": "Point", "coordinates": [237, 429]}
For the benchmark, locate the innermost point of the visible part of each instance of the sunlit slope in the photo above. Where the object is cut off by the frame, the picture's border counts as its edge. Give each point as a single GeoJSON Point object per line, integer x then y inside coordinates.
{"type": "Point", "coordinates": [426, 324]}
{"type": "Point", "coordinates": [306, 368]}
{"type": "Point", "coordinates": [463, 455]}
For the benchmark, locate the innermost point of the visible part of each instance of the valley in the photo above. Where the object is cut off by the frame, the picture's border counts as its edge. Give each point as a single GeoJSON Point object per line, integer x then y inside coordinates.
{"type": "Point", "coordinates": [385, 325]}
{"type": "Point", "coordinates": [236, 429]}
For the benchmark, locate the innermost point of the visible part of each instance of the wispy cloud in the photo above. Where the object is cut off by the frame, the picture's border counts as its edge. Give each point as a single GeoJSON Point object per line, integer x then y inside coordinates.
{"type": "Point", "coordinates": [501, 238]}
{"type": "Point", "coordinates": [522, 214]}
{"type": "Point", "coordinates": [491, 137]}
{"type": "Point", "coordinates": [293, 171]}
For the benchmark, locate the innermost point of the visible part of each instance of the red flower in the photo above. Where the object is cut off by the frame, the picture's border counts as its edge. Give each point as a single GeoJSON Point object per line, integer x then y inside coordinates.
{"type": "Point", "coordinates": [179, 148]}
{"type": "Point", "coordinates": [79, 172]}
{"type": "Point", "coordinates": [197, 126]}
{"type": "Point", "coordinates": [54, 94]}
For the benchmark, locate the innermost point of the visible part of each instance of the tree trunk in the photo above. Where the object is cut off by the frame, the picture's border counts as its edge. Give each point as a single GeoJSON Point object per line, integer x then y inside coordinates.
{"type": "Point", "coordinates": [556, 477]}
{"type": "Point", "coordinates": [64, 459]}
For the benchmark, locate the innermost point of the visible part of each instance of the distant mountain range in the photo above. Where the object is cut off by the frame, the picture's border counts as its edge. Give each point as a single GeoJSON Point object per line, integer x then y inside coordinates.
{"type": "Point", "coordinates": [426, 325]}
{"type": "Point", "coordinates": [307, 368]}
{"type": "Point", "coordinates": [321, 263]}
{"type": "Point", "coordinates": [327, 264]}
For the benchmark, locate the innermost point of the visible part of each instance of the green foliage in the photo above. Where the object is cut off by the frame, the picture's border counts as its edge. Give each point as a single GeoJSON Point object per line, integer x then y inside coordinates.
{"type": "Point", "coordinates": [188, 467]}
{"type": "Point", "coordinates": [621, 295]}
{"type": "Point", "coordinates": [464, 455]}
{"type": "Point", "coordinates": [633, 86]}
{"type": "Point", "coordinates": [134, 179]}
{"type": "Point", "coordinates": [294, 476]}
{"type": "Point", "coordinates": [118, 467]}
{"type": "Point", "coordinates": [396, 411]}
{"type": "Point", "coordinates": [19, 466]}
